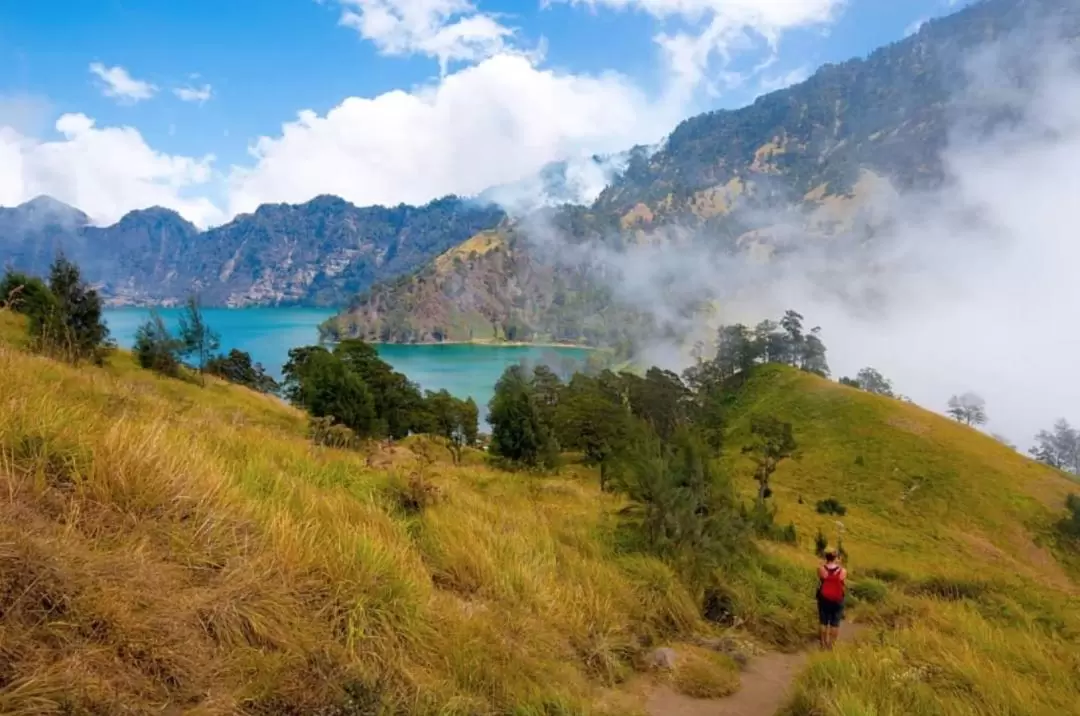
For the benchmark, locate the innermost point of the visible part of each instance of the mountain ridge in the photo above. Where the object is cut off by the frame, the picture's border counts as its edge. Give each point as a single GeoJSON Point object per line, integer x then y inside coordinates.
{"type": "Point", "coordinates": [801, 164]}
{"type": "Point", "coordinates": [820, 149]}
{"type": "Point", "coordinates": [319, 252]}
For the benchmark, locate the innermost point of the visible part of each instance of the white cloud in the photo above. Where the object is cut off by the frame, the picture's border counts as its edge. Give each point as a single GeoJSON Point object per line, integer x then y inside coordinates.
{"type": "Point", "coordinates": [106, 172]}
{"type": "Point", "coordinates": [971, 286]}
{"type": "Point", "coordinates": [915, 26]}
{"type": "Point", "coordinates": [485, 125]}
{"type": "Point", "coordinates": [495, 121]}
{"type": "Point", "coordinates": [779, 82]}
{"type": "Point", "coordinates": [450, 30]}
{"type": "Point", "coordinates": [720, 28]}
{"type": "Point", "coordinates": [194, 94]}
{"type": "Point", "coordinates": [118, 84]}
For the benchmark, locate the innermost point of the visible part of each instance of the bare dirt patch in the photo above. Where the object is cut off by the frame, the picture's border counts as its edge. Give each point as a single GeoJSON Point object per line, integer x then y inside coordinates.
{"type": "Point", "coordinates": [764, 687]}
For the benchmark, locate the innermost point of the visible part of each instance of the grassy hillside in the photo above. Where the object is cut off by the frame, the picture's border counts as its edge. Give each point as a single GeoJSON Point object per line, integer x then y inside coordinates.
{"type": "Point", "coordinates": [166, 545]}
{"type": "Point", "coordinates": [980, 613]}
{"type": "Point", "coordinates": [169, 548]}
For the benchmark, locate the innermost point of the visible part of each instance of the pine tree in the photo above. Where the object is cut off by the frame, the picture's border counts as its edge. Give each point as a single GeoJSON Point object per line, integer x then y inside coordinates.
{"type": "Point", "coordinates": [517, 430]}
{"type": "Point", "coordinates": [71, 326]}
{"type": "Point", "coordinates": [199, 340]}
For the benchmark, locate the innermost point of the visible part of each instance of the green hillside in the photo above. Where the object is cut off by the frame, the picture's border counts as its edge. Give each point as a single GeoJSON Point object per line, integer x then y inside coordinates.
{"type": "Point", "coordinates": [166, 548]}
{"type": "Point", "coordinates": [981, 615]}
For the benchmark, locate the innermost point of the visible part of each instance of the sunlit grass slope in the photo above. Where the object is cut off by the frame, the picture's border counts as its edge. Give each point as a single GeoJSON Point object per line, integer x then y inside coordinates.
{"type": "Point", "coordinates": [971, 597]}
{"type": "Point", "coordinates": [166, 548]}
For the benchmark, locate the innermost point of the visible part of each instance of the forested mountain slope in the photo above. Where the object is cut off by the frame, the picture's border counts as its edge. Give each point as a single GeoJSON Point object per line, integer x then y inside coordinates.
{"type": "Point", "coordinates": [811, 163]}
{"type": "Point", "coordinates": [317, 253]}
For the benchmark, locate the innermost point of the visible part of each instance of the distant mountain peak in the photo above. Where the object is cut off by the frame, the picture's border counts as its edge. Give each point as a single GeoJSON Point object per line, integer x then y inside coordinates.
{"type": "Point", "coordinates": [43, 202]}
{"type": "Point", "coordinates": [45, 207]}
{"type": "Point", "coordinates": [157, 215]}
{"type": "Point", "coordinates": [323, 202]}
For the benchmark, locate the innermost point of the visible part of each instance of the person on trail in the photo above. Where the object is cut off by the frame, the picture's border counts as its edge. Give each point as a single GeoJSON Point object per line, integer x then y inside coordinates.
{"type": "Point", "coordinates": [832, 586]}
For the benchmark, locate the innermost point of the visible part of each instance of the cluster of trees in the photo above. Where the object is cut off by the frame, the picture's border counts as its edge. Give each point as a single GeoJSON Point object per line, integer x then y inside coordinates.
{"type": "Point", "coordinates": [535, 416]}
{"type": "Point", "coordinates": [65, 320]}
{"type": "Point", "coordinates": [968, 408]}
{"type": "Point", "coordinates": [64, 313]}
{"type": "Point", "coordinates": [655, 437]}
{"type": "Point", "coordinates": [354, 388]}
{"type": "Point", "coordinates": [872, 381]}
{"type": "Point", "coordinates": [195, 345]}
{"type": "Point", "coordinates": [642, 433]}
{"type": "Point", "coordinates": [1059, 447]}
{"type": "Point", "coordinates": [237, 367]}
{"type": "Point", "coordinates": [738, 348]}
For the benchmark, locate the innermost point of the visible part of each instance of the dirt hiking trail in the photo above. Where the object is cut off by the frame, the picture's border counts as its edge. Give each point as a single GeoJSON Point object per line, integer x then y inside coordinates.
{"type": "Point", "coordinates": [764, 687]}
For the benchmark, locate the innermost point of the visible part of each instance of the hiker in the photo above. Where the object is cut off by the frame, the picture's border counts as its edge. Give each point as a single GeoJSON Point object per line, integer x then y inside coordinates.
{"type": "Point", "coordinates": [830, 598]}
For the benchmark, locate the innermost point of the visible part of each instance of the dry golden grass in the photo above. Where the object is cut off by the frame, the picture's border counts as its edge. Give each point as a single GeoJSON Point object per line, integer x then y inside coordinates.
{"type": "Point", "coordinates": [166, 548]}
{"type": "Point", "coordinates": [703, 674]}
{"type": "Point", "coordinates": [479, 244]}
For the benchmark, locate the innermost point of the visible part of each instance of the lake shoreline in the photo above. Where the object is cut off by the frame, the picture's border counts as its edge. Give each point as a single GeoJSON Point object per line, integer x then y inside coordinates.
{"type": "Point", "coordinates": [489, 344]}
{"type": "Point", "coordinates": [464, 368]}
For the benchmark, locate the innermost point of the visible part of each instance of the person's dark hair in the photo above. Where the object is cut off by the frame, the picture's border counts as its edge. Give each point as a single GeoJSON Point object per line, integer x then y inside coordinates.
{"type": "Point", "coordinates": [830, 556]}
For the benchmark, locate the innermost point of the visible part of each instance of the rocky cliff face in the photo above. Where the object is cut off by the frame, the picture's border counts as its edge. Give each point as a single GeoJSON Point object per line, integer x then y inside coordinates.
{"type": "Point", "coordinates": [319, 253]}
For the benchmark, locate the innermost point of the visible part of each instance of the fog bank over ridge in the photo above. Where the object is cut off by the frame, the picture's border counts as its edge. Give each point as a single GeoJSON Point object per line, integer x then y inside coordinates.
{"type": "Point", "coordinates": [969, 287]}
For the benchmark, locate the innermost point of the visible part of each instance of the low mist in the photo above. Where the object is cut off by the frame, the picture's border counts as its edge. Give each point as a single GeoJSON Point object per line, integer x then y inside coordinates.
{"type": "Point", "coordinates": [970, 287]}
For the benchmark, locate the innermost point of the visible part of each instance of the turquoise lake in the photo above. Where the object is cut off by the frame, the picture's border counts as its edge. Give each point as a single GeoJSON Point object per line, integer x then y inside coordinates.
{"type": "Point", "coordinates": [268, 334]}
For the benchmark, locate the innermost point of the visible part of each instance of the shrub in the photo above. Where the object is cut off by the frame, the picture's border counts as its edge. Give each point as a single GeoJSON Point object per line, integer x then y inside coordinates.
{"type": "Point", "coordinates": [786, 534]}
{"type": "Point", "coordinates": [324, 431]}
{"type": "Point", "coordinates": [763, 521]}
{"type": "Point", "coordinates": [871, 591]}
{"type": "Point", "coordinates": [323, 384]}
{"type": "Point", "coordinates": [831, 506]}
{"type": "Point", "coordinates": [24, 294]}
{"type": "Point", "coordinates": [1071, 524]}
{"type": "Point", "coordinates": [417, 494]}
{"type": "Point", "coordinates": [65, 315]}
{"type": "Point", "coordinates": [237, 367]}
{"type": "Point", "coordinates": [718, 604]}
{"type": "Point", "coordinates": [155, 348]}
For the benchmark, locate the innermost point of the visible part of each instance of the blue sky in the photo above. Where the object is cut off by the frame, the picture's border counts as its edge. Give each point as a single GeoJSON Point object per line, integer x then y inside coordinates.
{"type": "Point", "coordinates": [447, 95]}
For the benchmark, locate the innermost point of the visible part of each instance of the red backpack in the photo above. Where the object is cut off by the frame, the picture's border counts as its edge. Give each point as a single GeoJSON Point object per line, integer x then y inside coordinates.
{"type": "Point", "coordinates": [832, 587]}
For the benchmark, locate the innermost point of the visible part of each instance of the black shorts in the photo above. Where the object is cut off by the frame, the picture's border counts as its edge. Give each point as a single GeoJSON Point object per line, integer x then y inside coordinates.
{"type": "Point", "coordinates": [829, 613]}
